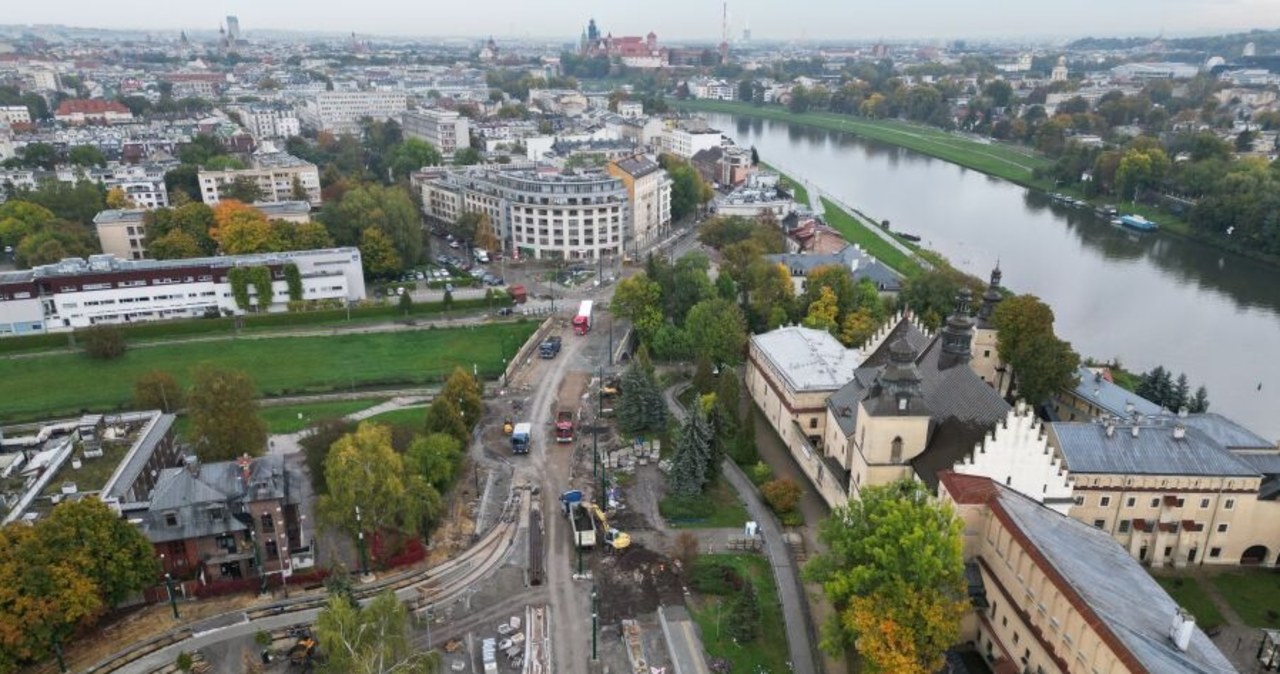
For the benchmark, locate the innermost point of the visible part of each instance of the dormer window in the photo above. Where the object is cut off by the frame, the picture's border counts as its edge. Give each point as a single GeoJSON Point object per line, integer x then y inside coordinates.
{"type": "Point", "coordinates": [171, 519]}
{"type": "Point", "coordinates": [902, 404]}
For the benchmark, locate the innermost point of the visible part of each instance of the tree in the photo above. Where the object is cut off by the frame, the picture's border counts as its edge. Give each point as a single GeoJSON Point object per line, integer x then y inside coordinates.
{"type": "Point", "coordinates": [1200, 403]}
{"type": "Point", "coordinates": [443, 416]}
{"type": "Point", "coordinates": [744, 614]}
{"type": "Point", "coordinates": [641, 407]}
{"type": "Point", "coordinates": [688, 190]}
{"type": "Point", "coordinates": [117, 198]}
{"type": "Point", "coordinates": [467, 156]}
{"type": "Point", "coordinates": [195, 220]}
{"type": "Point", "coordinates": [86, 155]}
{"type": "Point", "coordinates": [243, 189]}
{"type": "Point", "coordinates": [315, 447]}
{"type": "Point", "coordinates": [368, 206]}
{"type": "Point", "coordinates": [222, 406]}
{"type": "Point", "coordinates": [1042, 364]}
{"type": "Point", "coordinates": [1180, 396]}
{"type": "Point", "coordinates": [691, 463]}
{"type": "Point", "coordinates": [39, 155]}
{"type": "Point", "coordinates": [112, 553]}
{"type": "Point", "coordinates": [435, 457]}
{"type": "Point", "coordinates": [175, 245]}
{"type": "Point", "coordinates": [771, 294]}
{"type": "Point", "coordinates": [703, 380]}
{"type": "Point", "coordinates": [104, 342]}
{"type": "Point", "coordinates": [240, 228]}
{"type": "Point", "coordinates": [466, 391]}
{"type": "Point", "coordinates": [297, 191]}
{"type": "Point", "coordinates": [638, 299]}
{"type": "Point", "coordinates": [363, 470]}
{"type": "Point", "coordinates": [373, 639]}
{"type": "Point", "coordinates": [157, 390]}
{"type": "Point", "coordinates": [823, 312]}
{"type": "Point", "coordinates": [412, 155]}
{"type": "Point", "coordinates": [893, 545]}
{"type": "Point", "coordinates": [782, 495]}
{"type": "Point", "coordinates": [858, 327]}
{"type": "Point", "coordinates": [379, 254]}
{"type": "Point", "coordinates": [406, 303]}
{"type": "Point", "coordinates": [717, 329]}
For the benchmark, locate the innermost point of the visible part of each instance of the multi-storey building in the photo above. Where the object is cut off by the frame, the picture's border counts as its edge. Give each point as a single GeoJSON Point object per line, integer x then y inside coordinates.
{"type": "Point", "coordinates": [685, 143]}
{"type": "Point", "coordinates": [79, 293]}
{"type": "Point", "coordinates": [122, 232]}
{"type": "Point", "coordinates": [534, 213]}
{"type": "Point", "coordinates": [341, 111]}
{"type": "Point", "coordinates": [649, 189]}
{"type": "Point", "coordinates": [1053, 595]}
{"type": "Point", "coordinates": [143, 184]}
{"type": "Point", "coordinates": [82, 111]}
{"type": "Point", "coordinates": [269, 121]}
{"type": "Point", "coordinates": [14, 114]}
{"type": "Point", "coordinates": [275, 174]}
{"type": "Point", "coordinates": [447, 130]}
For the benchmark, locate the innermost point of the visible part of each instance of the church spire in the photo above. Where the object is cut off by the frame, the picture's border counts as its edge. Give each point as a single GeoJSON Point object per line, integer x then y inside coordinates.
{"type": "Point", "coordinates": [899, 380]}
{"type": "Point", "coordinates": [957, 334]}
{"type": "Point", "coordinates": [990, 298]}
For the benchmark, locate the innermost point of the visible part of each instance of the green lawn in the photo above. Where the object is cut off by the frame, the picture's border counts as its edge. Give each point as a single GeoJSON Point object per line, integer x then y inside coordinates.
{"type": "Point", "coordinates": [768, 653]}
{"type": "Point", "coordinates": [1186, 590]}
{"type": "Point", "coordinates": [284, 418]}
{"type": "Point", "coordinates": [1252, 594]}
{"type": "Point", "coordinates": [1006, 161]}
{"type": "Point", "coordinates": [801, 194]}
{"type": "Point", "coordinates": [63, 383]}
{"type": "Point", "coordinates": [857, 232]}
{"type": "Point", "coordinates": [718, 508]}
{"type": "Point", "coordinates": [404, 416]}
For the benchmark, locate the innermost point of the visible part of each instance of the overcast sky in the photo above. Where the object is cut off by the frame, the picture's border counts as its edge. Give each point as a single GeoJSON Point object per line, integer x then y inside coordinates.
{"type": "Point", "coordinates": [674, 19]}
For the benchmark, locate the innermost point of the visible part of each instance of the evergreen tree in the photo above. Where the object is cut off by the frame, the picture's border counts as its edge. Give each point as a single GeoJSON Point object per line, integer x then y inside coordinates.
{"type": "Point", "coordinates": [703, 380]}
{"type": "Point", "coordinates": [689, 467]}
{"type": "Point", "coordinates": [641, 407]}
{"type": "Point", "coordinates": [1181, 393]}
{"type": "Point", "coordinates": [744, 615]}
{"type": "Point", "coordinates": [1200, 403]}
{"type": "Point", "coordinates": [1163, 388]}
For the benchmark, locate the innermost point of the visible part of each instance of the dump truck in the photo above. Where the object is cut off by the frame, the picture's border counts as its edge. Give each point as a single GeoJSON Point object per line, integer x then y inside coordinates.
{"type": "Point", "coordinates": [582, 321]}
{"type": "Point", "coordinates": [520, 438]}
{"type": "Point", "coordinates": [489, 655]}
{"type": "Point", "coordinates": [519, 294]}
{"type": "Point", "coordinates": [549, 348]}
{"type": "Point", "coordinates": [584, 525]}
{"type": "Point", "coordinates": [564, 426]}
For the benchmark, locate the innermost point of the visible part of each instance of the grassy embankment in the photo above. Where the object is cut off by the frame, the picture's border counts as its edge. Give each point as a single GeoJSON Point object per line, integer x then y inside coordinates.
{"type": "Point", "coordinates": [60, 384]}
{"type": "Point", "coordinates": [1002, 160]}
{"type": "Point", "coordinates": [1187, 592]}
{"type": "Point", "coordinates": [798, 191]}
{"type": "Point", "coordinates": [768, 653]}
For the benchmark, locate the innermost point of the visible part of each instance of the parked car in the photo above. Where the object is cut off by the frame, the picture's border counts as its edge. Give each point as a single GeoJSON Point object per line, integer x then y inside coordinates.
{"type": "Point", "coordinates": [454, 245]}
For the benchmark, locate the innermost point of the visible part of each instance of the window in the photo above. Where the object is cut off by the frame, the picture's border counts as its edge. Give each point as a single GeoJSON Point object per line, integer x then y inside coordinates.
{"type": "Point", "coordinates": [986, 353]}
{"type": "Point", "coordinates": [1168, 551]}
{"type": "Point", "coordinates": [1079, 500]}
{"type": "Point", "coordinates": [1130, 502]}
{"type": "Point", "coordinates": [1215, 552]}
{"type": "Point", "coordinates": [1222, 528]}
{"type": "Point", "coordinates": [1181, 502]}
{"type": "Point", "coordinates": [813, 423]}
{"type": "Point", "coordinates": [273, 550]}
{"type": "Point", "coordinates": [1105, 501]}
{"type": "Point", "coordinates": [1204, 503]}
{"type": "Point", "coordinates": [268, 523]}
{"type": "Point", "coordinates": [1124, 526]}
{"type": "Point", "coordinates": [1100, 524]}
{"type": "Point", "coordinates": [171, 519]}
{"type": "Point", "coordinates": [1155, 502]}
{"type": "Point", "coordinates": [1229, 504]}
{"type": "Point", "coordinates": [895, 453]}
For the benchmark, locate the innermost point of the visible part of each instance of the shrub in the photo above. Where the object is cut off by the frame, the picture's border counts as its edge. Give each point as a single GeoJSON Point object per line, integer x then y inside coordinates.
{"type": "Point", "coordinates": [184, 661]}
{"type": "Point", "coordinates": [686, 508]}
{"type": "Point", "coordinates": [782, 495]}
{"type": "Point", "coordinates": [712, 576]}
{"type": "Point", "coordinates": [104, 342]}
{"type": "Point", "coordinates": [262, 638]}
{"type": "Point", "coordinates": [761, 473]}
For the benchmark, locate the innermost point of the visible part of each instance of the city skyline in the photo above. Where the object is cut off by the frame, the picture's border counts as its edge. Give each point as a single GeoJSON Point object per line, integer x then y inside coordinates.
{"type": "Point", "coordinates": [671, 19]}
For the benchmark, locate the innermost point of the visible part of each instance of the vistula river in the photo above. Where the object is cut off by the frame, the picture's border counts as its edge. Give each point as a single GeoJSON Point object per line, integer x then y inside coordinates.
{"type": "Point", "coordinates": [1147, 299]}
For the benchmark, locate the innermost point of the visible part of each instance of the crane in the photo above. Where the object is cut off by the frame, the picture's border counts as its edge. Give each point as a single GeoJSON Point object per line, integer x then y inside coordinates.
{"type": "Point", "coordinates": [618, 540]}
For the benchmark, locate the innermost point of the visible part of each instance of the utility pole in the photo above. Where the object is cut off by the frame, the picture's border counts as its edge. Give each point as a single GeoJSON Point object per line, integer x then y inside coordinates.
{"type": "Point", "coordinates": [595, 623]}
{"type": "Point", "coordinates": [364, 554]}
{"type": "Point", "coordinates": [173, 604]}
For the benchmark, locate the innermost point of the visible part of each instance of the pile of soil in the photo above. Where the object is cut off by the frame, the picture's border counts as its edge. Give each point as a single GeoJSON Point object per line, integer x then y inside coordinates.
{"type": "Point", "coordinates": [636, 582]}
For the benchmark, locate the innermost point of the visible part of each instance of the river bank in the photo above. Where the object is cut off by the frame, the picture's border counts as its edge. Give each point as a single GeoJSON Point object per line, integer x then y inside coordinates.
{"type": "Point", "coordinates": [1001, 160]}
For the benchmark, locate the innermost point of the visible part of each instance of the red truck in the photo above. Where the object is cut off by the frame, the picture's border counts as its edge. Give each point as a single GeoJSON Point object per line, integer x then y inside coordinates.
{"type": "Point", "coordinates": [582, 321]}
{"type": "Point", "coordinates": [564, 426]}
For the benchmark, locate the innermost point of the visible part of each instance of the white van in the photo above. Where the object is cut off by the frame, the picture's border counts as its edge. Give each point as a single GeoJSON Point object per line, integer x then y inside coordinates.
{"type": "Point", "coordinates": [481, 255]}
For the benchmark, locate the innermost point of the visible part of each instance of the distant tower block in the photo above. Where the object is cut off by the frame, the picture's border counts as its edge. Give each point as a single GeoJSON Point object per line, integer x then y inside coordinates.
{"type": "Point", "coordinates": [233, 28]}
{"type": "Point", "coordinates": [1059, 73]}
{"type": "Point", "coordinates": [1250, 49]}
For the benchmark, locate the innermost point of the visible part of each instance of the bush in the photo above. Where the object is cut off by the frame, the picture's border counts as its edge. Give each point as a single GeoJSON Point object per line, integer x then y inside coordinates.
{"type": "Point", "coordinates": [782, 495]}
{"type": "Point", "coordinates": [711, 576]}
{"type": "Point", "coordinates": [104, 342]}
{"type": "Point", "coordinates": [262, 638]}
{"type": "Point", "coordinates": [184, 662]}
{"type": "Point", "coordinates": [761, 473]}
{"type": "Point", "coordinates": [686, 508]}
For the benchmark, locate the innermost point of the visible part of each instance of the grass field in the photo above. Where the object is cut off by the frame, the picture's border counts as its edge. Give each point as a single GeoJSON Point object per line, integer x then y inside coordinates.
{"type": "Point", "coordinates": [718, 508]}
{"type": "Point", "coordinates": [1255, 595]}
{"type": "Point", "coordinates": [63, 383]}
{"type": "Point", "coordinates": [405, 416]}
{"type": "Point", "coordinates": [284, 418]}
{"type": "Point", "coordinates": [857, 232]}
{"type": "Point", "coordinates": [1187, 592]}
{"type": "Point", "coordinates": [768, 653]}
{"type": "Point", "coordinates": [801, 194]}
{"type": "Point", "coordinates": [1006, 161]}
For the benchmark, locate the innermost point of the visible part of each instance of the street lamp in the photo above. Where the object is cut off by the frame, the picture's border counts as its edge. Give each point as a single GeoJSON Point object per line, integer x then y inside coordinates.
{"type": "Point", "coordinates": [595, 619]}
{"type": "Point", "coordinates": [173, 603]}
{"type": "Point", "coordinates": [364, 554]}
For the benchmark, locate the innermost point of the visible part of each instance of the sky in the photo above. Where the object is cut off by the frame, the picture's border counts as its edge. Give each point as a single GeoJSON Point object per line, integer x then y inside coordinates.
{"type": "Point", "coordinates": [675, 19]}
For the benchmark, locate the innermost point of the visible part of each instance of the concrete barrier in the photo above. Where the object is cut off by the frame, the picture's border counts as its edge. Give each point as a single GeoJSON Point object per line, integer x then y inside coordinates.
{"type": "Point", "coordinates": [527, 349]}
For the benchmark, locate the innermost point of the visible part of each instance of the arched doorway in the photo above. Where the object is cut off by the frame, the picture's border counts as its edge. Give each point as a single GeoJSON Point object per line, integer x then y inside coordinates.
{"type": "Point", "coordinates": [1254, 555]}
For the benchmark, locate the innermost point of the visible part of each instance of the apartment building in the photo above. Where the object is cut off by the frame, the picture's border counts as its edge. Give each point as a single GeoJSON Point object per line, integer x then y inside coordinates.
{"type": "Point", "coordinates": [14, 114]}
{"type": "Point", "coordinates": [269, 121]}
{"type": "Point", "coordinates": [274, 174]}
{"type": "Point", "coordinates": [568, 216]}
{"type": "Point", "coordinates": [649, 189]}
{"type": "Point", "coordinates": [1054, 595]}
{"type": "Point", "coordinates": [76, 293]}
{"type": "Point", "coordinates": [122, 232]}
{"type": "Point", "coordinates": [447, 130]}
{"type": "Point", "coordinates": [685, 143]}
{"type": "Point", "coordinates": [341, 111]}
{"type": "Point", "coordinates": [84, 111]}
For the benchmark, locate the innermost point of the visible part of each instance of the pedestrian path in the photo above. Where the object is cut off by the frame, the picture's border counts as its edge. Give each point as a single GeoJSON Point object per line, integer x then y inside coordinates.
{"type": "Point", "coordinates": [815, 202]}
{"type": "Point", "coordinates": [291, 443]}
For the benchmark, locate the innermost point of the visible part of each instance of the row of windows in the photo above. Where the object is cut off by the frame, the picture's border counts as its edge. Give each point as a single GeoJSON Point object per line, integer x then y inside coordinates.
{"type": "Point", "coordinates": [1132, 501]}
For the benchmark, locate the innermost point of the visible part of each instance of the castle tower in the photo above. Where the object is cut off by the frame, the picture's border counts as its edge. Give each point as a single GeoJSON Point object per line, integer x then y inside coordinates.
{"type": "Point", "coordinates": [957, 333]}
{"type": "Point", "coordinates": [985, 360]}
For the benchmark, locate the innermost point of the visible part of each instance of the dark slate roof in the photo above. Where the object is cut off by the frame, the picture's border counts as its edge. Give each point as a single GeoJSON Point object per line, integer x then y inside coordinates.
{"type": "Point", "coordinates": [1109, 396]}
{"type": "Point", "coordinates": [218, 485]}
{"type": "Point", "coordinates": [1265, 463]}
{"type": "Point", "coordinates": [1226, 432]}
{"type": "Point", "coordinates": [710, 155]}
{"type": "Point", "coordinates": [1086, 448]}
{"type": "Point", "coordinates": [961, 407]}
{"type": "Point", "coordinates": [638, 166]}
{"type": "Point", "coordinates": [1114, 587]}
{"type": "Point", "coordinates": [800, 264]}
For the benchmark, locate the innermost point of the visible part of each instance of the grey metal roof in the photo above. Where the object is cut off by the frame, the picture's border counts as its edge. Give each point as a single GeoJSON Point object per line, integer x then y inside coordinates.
{"type": "Point", "coordinates": [114, 215]}
{"type": "Point", "coordinates": [638, 166]}
{"type": "Point", "coordinates": [107, 263]}
{"type": "Point", "coordinates": [808, 359]}
{"type": "Point", "coordinates": [1265, 463]}
{"type": "Point", "coordinates": [127, 472]}
{"type": "Point", "coordinates": [1086, 448]}
{"type": "Point", "coordinates": [217, 485]}
{"type": "Point", "coordinates": [1226, 432]}
{"type": "Point", "coordinates": [1110, 396]}
{"type": "Point", "coordinates": [1114, 586]}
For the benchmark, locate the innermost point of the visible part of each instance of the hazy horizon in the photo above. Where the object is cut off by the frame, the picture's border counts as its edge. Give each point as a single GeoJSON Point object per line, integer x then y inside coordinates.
{"type": "Point", "coordinates": [676, 20]}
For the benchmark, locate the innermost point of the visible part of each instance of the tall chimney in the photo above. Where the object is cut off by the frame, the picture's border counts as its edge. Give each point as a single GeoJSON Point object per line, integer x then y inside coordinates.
{"type": "Point", "coordinates": [1179, 432]}
{"type": "Point", "coordinates": [1134, 430]}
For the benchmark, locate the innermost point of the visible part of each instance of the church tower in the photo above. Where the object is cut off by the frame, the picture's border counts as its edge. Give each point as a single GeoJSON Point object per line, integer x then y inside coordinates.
{"type": "Point", "coordinates": [893, 423]}
{"type": "Point", "coordinates": [985, 360]}
{"type": "Point", "coordinates": [957, 333]}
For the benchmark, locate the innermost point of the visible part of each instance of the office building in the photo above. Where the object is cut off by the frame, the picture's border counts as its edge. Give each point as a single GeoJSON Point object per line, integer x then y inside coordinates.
{"type": "Point", "coordinates": [277, 175]}
{"type": "Point", "coordinates": [649, 189]}
{"type": "Point", "coordinates": [269, 121]}
{"type": "Point", "coordinates": [447, 130]}
{"type": "Point", "coordinates": [341, 111]}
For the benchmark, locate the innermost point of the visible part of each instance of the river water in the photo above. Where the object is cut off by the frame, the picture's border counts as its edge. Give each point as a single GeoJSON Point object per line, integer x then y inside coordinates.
{"type": "Point", "coordinates": [1147, 299]}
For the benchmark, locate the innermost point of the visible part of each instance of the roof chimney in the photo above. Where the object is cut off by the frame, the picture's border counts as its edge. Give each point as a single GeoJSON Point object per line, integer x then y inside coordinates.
{"type": "Point", "coordinates": [1128, 407]}
{"type": "Point", "coordinates": [192, 464]}
{"type": "Point", "coordinates": [1134, 430]}
{"type": "Point", "coordinates": [1181, 629]}
{"type": "Point", "coordinates": [1182, 412]}
{"type": "Point", "coordinates": [1179, 432]}
{"type": "Point", "coordinates": [1111, 429]}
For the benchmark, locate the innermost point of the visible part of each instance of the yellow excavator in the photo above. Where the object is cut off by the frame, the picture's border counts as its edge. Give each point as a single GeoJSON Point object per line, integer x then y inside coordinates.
{"type": "Point", "coordinates": [618, 540]}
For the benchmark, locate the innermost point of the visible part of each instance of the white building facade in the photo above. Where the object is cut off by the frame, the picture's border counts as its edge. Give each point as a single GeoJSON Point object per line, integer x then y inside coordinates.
{"type": "Point", "coordinates": [447, 130]}
{"type": "Point", "coordinates": [269, 121]}
{"type": "Point", "coordinates": [341, 111]}
{"type": "Point", "coordinates": [273, 173]}
{"type": "Point", "coordinates": [685, 143]}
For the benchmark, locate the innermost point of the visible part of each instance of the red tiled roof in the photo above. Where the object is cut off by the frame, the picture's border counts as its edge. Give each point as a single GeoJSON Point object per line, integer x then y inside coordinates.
{"type": "Point", "coordinates": [90, 107]}
{"type": "Point", "coordinates": [967, 489]}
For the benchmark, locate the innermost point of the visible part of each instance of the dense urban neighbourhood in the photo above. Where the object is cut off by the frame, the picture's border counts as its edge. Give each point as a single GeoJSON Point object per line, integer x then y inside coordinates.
{"type": "Point", "coordinates": [367, 355]}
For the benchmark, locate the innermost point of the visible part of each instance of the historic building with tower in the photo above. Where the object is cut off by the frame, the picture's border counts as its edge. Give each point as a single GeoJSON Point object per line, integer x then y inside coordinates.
{"type": "Point", "coordinates": [632, 51]}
